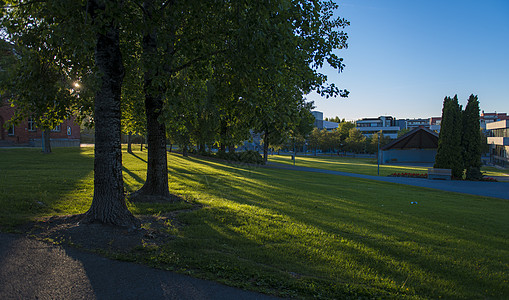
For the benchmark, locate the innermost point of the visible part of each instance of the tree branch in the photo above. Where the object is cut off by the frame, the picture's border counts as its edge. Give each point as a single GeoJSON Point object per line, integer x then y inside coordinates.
{"type": "Point", "coordinates": [195, 60]}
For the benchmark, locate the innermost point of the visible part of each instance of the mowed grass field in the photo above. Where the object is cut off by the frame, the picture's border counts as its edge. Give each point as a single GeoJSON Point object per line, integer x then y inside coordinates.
{"type": "Point", "coordinates": [288, 233]}
{"type": "Point", "coordinates": [366, 166]}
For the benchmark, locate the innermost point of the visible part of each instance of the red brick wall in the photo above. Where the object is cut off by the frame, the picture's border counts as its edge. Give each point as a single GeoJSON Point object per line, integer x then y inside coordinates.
{"type": "Point", "coordinates": [23, 136]}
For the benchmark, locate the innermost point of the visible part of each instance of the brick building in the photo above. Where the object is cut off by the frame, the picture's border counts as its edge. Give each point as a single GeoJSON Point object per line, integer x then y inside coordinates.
{"type": "Point", "coordinates": [27, 134]}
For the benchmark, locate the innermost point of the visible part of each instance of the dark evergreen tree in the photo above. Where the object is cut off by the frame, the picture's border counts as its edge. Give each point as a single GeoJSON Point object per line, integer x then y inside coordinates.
{"type": "Point", "coordinates": [471, 141]}
{"type": "Point", "coordinates": [449, 154]}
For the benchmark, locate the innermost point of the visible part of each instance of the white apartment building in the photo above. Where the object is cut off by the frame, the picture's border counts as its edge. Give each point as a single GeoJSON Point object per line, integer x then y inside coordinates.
{"type": "Point", "coordinates": [499, 142]}
{"type": "Point", "coordinates": [386, 124]}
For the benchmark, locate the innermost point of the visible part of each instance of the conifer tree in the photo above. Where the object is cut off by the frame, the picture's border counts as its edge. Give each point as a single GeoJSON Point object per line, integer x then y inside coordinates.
{"type": "Point", "coordinates": [471, 141]}
{"type": "Point", "coordinates": [449, 154]}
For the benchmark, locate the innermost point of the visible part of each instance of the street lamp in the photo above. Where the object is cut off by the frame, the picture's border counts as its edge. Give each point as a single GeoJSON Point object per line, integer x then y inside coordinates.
{"type": "Point", "coordinates": [378, 153]}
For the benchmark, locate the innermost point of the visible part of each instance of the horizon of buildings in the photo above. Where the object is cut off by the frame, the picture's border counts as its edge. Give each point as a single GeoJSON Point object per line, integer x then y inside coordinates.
{"type": "Point", "coordinates": [390, 126]}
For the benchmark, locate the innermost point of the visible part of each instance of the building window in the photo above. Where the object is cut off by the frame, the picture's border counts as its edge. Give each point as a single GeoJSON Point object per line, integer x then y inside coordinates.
{"type": "Point", "coordinates": [10, 131]}
{"type": "Point", "coordinates": [69, 130]}
{"type": "Point", "coordinates": [31, 124]}
{"type": "Point", "coordinates": [57, 128]}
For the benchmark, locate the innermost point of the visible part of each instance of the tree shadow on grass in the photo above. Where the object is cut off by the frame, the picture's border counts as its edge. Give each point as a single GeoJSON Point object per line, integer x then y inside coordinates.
{"type": "Point", "coordinates": [133, 175]}
{"type": "Point", "coordinates": [388, 246]}
{"type": "Point", "coordinates": [138, 157]}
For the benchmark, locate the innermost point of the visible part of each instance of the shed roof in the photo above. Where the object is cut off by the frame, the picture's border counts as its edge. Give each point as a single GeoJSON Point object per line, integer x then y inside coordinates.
{"type": "Point", "coordinates": [419, 138]}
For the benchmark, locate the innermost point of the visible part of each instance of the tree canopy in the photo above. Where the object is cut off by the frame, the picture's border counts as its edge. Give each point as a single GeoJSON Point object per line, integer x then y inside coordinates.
{"type": "Point", "coordinates": [207, 70]}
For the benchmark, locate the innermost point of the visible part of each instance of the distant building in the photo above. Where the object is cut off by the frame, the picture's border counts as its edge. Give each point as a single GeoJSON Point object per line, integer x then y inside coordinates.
{"type": "Point", "coordinates": [318, 119]}
{"type": "Point", "coordinates": [385, 124]}
{"type": "Point", "coordinates": [417, 146]}
{"type": "Point", "coordinates": [434, 123]}
{"type": "Point", "coordinates": [499, 142]}
{"type": "Point", "coordinates": [330, 125]}
{"type": "Point", "coordinates": [321, 124]}
{"type": "Point", "coordinates": [417, 123]}
{"type": "Point", "coordinates": [487, 118]}
{"type": "Point", "coordinates": [27, 134]}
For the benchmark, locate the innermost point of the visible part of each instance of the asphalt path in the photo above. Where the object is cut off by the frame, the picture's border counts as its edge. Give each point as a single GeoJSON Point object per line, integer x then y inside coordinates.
{"type": "Point", "coordinates": [478, 188]}
{"type": "Point", "coordinates": [30, 269]}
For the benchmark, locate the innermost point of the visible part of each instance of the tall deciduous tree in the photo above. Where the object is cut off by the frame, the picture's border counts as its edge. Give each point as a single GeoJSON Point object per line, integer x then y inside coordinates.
{"type": "Point", "coordinates": [108, 204]}
{"type": "Point", "coordinates": [71, 37]}
{"type": "Point", "coordinates": [355, 142]}
{"type": "Point", "coordinates": [314, 139]}
{"type": "Point", "coordinates": [175, 36]}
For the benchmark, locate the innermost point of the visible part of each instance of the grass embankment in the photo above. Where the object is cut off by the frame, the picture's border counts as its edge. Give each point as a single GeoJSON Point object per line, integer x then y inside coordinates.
{"type": "Point", "coordinates": [290, 233]}
{"type": "Point", "coordinates": [366, 166]}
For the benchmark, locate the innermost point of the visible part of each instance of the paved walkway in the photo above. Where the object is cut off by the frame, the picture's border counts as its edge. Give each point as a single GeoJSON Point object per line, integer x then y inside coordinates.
{"type": "Point", "coordinates": [479, 188]}
{"type": "Point", "coordinates": [31, 269]}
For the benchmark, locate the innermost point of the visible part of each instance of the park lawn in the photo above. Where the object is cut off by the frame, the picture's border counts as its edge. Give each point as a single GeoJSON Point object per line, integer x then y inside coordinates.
{"type": "Point", "coordinates": [366, 166]}
{"type": "Point", "coordinates": [492, 171]}
{"type": "Point", "coordinates": [290, 233]}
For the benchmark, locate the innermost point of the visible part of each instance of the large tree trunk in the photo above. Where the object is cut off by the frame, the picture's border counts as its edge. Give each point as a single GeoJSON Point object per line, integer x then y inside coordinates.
{"type": "Point", "coordinates": [157, 164]}
{"type": "Point", "coordinates": [156, 185]}
{"type": "Point", "coordinates": [129, 142]}
{"type": "Point", "coordinates": [46, 141]}
{"type": "Point", "coordinates": [108, 205]}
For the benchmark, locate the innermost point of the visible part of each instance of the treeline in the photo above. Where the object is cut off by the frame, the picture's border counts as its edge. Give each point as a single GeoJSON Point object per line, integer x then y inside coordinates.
{"type": "Point", "coordinates": [345, 138]}
{"type": "Point", "coordinates": [195, 72]}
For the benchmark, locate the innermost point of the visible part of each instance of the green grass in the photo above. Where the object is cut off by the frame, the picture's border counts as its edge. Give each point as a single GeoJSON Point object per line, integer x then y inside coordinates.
{"type": "Point", "coordinates": [492, 171]}
{"type": "Point", "coordinates": [366, 166]}
{"type": "Point", "coordinates": [290, 233]}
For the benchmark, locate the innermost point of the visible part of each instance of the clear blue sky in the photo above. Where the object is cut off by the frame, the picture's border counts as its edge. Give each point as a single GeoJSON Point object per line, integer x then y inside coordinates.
{"type": "Point", "coordinates": [405, 56]}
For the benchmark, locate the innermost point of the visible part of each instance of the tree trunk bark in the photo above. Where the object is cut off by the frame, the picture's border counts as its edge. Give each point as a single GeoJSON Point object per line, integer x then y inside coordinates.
{"type": "Point", "coordinates": [266, 146]}
{"type": "Point", "coordinates": [108, 205]}
{"type": "Point", "coordinates": [141, 145]}
{"type": "Point", "coordinates": [156, 184]}
{"type": "Point", "coordinates": [47, 141]}
{"type": "Point", "coordinates": [129, 142]}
